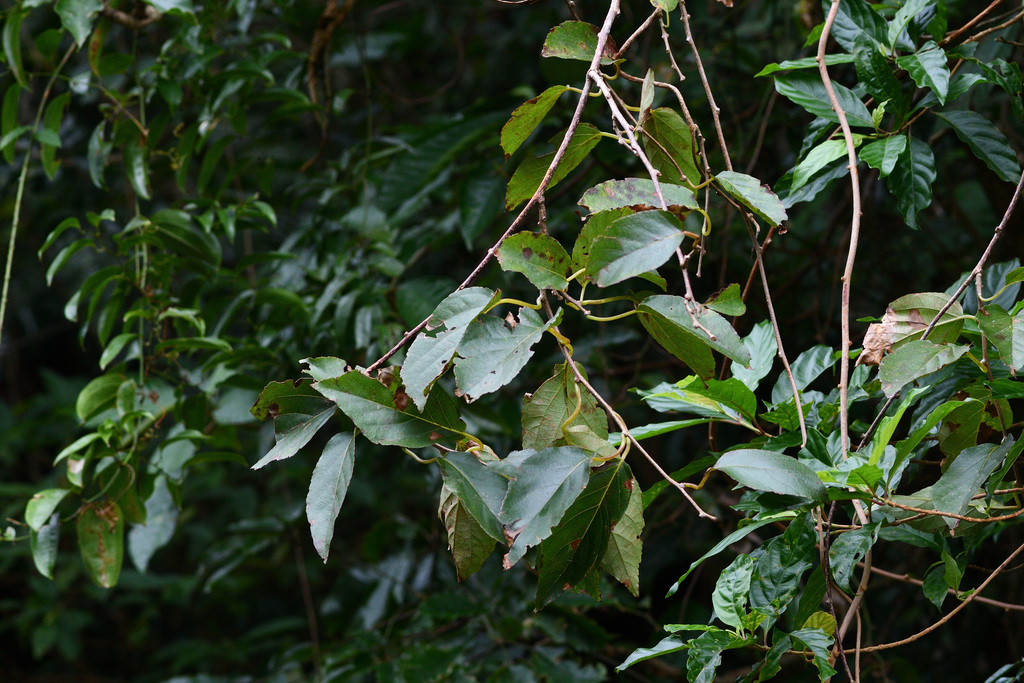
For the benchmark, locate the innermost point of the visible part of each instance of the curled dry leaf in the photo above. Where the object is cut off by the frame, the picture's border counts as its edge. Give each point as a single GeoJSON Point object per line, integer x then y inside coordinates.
{"type": "Point", "coordinates": [878, 339]}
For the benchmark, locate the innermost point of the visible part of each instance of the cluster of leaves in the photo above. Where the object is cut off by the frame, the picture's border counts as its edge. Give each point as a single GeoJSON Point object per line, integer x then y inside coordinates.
{"type": "Point", "coordinates": [197, 294]}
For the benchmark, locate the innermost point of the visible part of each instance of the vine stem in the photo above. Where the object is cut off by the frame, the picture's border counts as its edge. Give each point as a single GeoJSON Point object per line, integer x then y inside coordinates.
{"type": "Point", "coordinates": [851, 152]}
{"type": "Point", "coordinates": [595, 63]}
{"type": "Point", "coordinates": [20, 195]}
{"type": "Point", "coordinates": [906, 578]}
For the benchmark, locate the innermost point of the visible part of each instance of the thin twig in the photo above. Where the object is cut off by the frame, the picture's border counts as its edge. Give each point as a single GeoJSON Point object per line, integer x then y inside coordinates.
{"type": "Point", "coordinates": [637, 33]}
{"type": "Point", "coordinates": [968, 600]}
{"type": "Point", "coordinates": [851, 151]}
{"type": "Point", "coordinates": [602, 40]}
{"type": "Point", "coordinates": [906, 578]}
{"type": "Point", "coordinates": [715, 109]}
{"type": "Point", "coordinates": [970, 24]}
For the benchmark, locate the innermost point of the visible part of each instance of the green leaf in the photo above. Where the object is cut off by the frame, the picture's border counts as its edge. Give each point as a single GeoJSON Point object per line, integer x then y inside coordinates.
{"type": "Point", "coordinates": [11, 38]}
{"type": "Point", "coordinates": [97, 396]}
{"type": "Point", "coordinates": [181, 7]}
{"type": "Point", "coordinates": [665, 5]}
{"type": "Point", "coordinates": [928, 68]}
{"type": "Point", "coordinates": [52, 120]}
{"type": "Point", "coordinates": [882, 154]}
{"type": "Point", "coordinates": [665, 646]}
{"type": "Point", "coordinates": [749, 192]}
{"type": "Point", "coordinates": [729, 400]}
{"type": "Point", "coordinates": [101, 541]}
{"type": "Point", "coordinates": [293, 431]}
{"type": "Point", "coordinates": [817, 159]}
{"type": "Point", "coordinates": [283, 398]}
{"type": "Point", "coordinates": [807, 90]}
{"type": "Point", "coordinates": [175, 231]}
{"type": "Point", "coordinates": [636, 193]}
{"type": "Point", "coordinates": [779, 569]}
{"type": "Point", "coordinates": [770, 471]}
{"type": "Point", "coordinates": [807, 367]}
{"type": "Point", "coordinates": [820, 644]}
{"type": "Point", "coordinates": [470, 544]}
{"type": "Point", "coordinates": [327, 489]}
{"type": "Point", "coordinates": [911, 180]}
{"type": "Point", "coordinates": [527, 117]}
{"type": "Point", "coordinates": [158, 530]}
{"type": "Point", "coordinates": [986, 141]}
{"type": "Point", "coordinates": [491, 354]}
{"type": "Point", "coordinates": [810, 600]}
{"type": "Point", "coordinates": [762, 347]}
{"type": "Point", "coordinates": [543, 485]}
{"type": "Point", "coordinates": [966, 475]}
{"type": "Point", "coordinates": [855, 20]}
{"type": "Point", "coordinates": [539, 257]}
{"type": "Point", "coordinates": [372, 407]}
{"type": "Point", "coordinates": [480, 489]}
{"type": "Point", "coordinates": [731, 538]}
{"type": "Point", "coordinates": [622, 556]}
{"type": "Point", "coordinates": [576, 546]}
{"type": "Point", "coordinates": [934, 586]}
{"type": "Point", "coordinates": [633, 245]}
{"type": "Point", "coordinates": [135, 166]}
{"type": "Point", "coordinates": [706, 654]}
{"type": "Point", "coordinates": [728, 301]}
{"type": "Point", "coordinates": [684, 332]}
{"type": "Point", "coordinates": [44, 542]}
{"type": "Point", "coordinates": [547, 410]}
{"type": "Point", "coordinates": [1005, 333]}
{"type": "Point", "coordinates": [77, 16]}
{"type": "Point", "coordinates": [904, 15]}
{"type": "Point", "coordinates": [576, 40]}
{"type": "Point", "coordinates": [914, 360]}
{"type": "Point", "coordinates": [41, 507]}
{"type": "Point", "coordinates": [531, 172]}
{"type": "Point", "coordinates": [849, 549]}
{"type": "Point", "coordinates": [905, 448]}
{"type": "Point", "coordinates": [115, 347]}
{"type": "Point", "coordinates": [430, 353]}
{"type": "Point", "coordinates": [875, 73]}
{"type": "Point", "coordinates": [671, 147]}
{"type": "Point", "coordinates": [804, 63]}
{"type": "Point", "coordinates": [731, 590]}
{"type": "Point", "coordinates": [9, 122]}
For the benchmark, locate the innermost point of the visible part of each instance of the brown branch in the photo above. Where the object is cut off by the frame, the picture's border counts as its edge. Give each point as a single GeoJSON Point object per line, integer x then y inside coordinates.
{"type": "Point", "coordinates": [970, 24]}
{"type": "Point", "coordinates": [144, 17]}
{"type": "Point", "coordinates": [970, 598]}
{"type": "Point", "coordinates": [906, 578]}
{"type": "Point", "coordinates": [602, 40]}
{"type": "Point", "coordinates": [951, 515]}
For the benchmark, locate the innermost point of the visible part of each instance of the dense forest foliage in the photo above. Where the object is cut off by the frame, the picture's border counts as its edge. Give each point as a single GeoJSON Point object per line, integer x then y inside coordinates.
{"type": "Point", "coordinates": [507, 340]}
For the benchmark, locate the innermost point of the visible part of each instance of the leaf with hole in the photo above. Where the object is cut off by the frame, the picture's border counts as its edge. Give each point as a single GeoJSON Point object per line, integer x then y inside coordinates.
{"type": "Point", "coordinates": [576, 40]}
{"type": "Point", "coordinates": [638, 194]}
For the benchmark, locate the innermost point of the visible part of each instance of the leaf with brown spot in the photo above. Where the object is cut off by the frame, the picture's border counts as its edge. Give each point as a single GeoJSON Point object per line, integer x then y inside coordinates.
{"type": "Point", "coordinates": [101, 540]}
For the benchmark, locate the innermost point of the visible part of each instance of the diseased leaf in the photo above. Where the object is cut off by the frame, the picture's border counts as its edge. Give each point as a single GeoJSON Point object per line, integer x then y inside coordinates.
{"type": "Point", "coordinates": [749, 192]}
{"type": "Point", "coordinates": [928, 68]}
{"type": "Point", "coordinates": [327, 489]}
{"type": "Point", "coordinates": [1006, 333]}
{"type": "Point", "coordinates": [576, 40]}
{"type": "Point", "coordinates": [986, 141]}
{"type": "Point", "coordinates": [298, 412]}
{"type": "Point", "coordinates": [882, 154]}
{"type": "Point", "coordinates": [101, 540]}
{"type": "Point", "coordinates": [622, 556]}
{"type": "Point", "coordinates": [638, 194]}
{"type": "Point", "coordinates": [770, 471]}
{"type": "Point", "coordinates": [671, 147]}
{"type": "Point", "coordinates": [491, 354]}
{"type": "Point", "coordinates": [435, 347]}
{"type": "Point", "coordinates": [376, 411]}
{"type": "Point", "coordinates": [576, 546]}
{"type": "Point", "coordinates": [531, 172]}
{"type": "Point", "coordinates": [684, 332]}
{"type": "Point", "coordinates": [911, 180]}
{"type": "Point", "coordinates": [543, 484]}
{"type": "Point", "coordinates": [541, 258]}
{"type": "Point", "coordinates": [527, 117]}
{"type": "Point", "coordinates": [633, 245]}
{"type": "Point", "coordinates": [914, 360]}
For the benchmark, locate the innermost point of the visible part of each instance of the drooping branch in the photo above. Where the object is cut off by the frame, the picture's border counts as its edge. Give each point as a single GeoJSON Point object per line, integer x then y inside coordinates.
{"type": "Point", "coordinates": [142, 17]}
